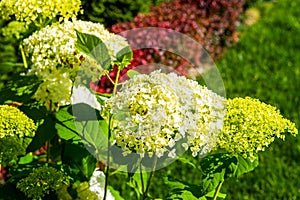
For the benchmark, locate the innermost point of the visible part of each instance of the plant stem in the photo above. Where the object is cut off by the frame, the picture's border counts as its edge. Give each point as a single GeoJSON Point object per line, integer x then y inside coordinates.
{"type": "Point", "coordinates": [218, 190]}
{"type": "Point", "coordinates": [141, 175]}
{"type": "Point", "coordinates": [116, 81]}
{"type": "Point", "coordinates": [23, 56]}
{"type": "Point", "coordinates": [145, 194]}
{"type": "Point", "coordinates": [109, 136]}
{"type": "Point", "coordinates": [107, 75]}
{"type": "Point", "coordinates": [48, 151]}
{"type": "Point", "coordinates": [108, 160]}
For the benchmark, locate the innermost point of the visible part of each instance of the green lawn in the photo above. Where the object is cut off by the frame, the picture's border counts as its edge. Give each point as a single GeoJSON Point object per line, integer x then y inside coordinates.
{"type": "Point", "coordinates": [265, 64]}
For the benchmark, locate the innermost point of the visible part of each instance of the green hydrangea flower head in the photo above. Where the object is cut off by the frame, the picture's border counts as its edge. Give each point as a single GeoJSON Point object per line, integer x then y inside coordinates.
{"type": "Point", "coordinates": [16, 132]}
{"type": "Point", "coordinates": [14, 122]}
{"type": "Point", "coordinates": [36, 11]}
{"type": "Point", "coordinates": [153, 112]}
{"type": "Point", "coordinates": [251, 125]}
{"type": "Point", "coordinates": [43, 181]}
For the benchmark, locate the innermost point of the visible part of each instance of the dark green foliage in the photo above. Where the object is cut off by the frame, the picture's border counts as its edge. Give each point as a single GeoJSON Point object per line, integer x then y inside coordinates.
{"type": "Point", "coordinates": [8, 57]}
{"type": "Point", "coordinates": [41, 182]}
{"type": "Point", "coordinates": [265, 64]}
{"type": "Point", "coordinates": [11, 147]}
{"type": "Point", "coordinates": [109, 12]}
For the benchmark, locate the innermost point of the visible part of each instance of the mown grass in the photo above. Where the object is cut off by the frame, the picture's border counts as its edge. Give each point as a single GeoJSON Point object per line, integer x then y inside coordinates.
{"type": "Point", "coordinates": [265, 64]}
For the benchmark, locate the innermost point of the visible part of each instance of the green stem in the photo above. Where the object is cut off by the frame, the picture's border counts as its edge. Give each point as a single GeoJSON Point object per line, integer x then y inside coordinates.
{"type": "Point", "coordinates": [116, 81]}
{"type": "Point", "coordinates": [108, 160]}
{"type": "Point", "coordinates": [145, 194]}
{"type": "Point", "coordinates": [141, 175]}
{"type": "Point", "coordinates": [109, 136]}
{"type": "Point", "coordinates": [110, 79]}
{"type": "Point", "coordinates": [23, 56]}
{"type": "Point", "coordinates": [218, 190]}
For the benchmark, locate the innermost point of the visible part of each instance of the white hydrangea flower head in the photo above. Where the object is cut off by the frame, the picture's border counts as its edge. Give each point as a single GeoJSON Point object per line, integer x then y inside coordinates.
{"type": "Point", "coordinates": [53, 48]}
{"type": "Point", "coordinates": [82, 94]}
{"type": "Point", "coordinates": [97, 183]}
{"type": "Point", "coordinates": [153, 112]}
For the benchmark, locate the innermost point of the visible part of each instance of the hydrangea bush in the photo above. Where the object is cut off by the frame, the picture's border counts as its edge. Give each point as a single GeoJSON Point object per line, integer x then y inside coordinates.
{"type": "Point", "coordinates": [147, 119]}
{"type": "Point", "coordinates": [56, 61]}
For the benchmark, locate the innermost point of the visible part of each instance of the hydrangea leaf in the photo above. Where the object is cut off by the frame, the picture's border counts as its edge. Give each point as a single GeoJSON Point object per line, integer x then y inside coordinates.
{"type": "Point", "coordinates": [115, 193]}
{"type": "Point", "coordinates": [80, 122]}
{"type": "Point", "coordinates": [183, 190]}
{"type": "Point", "coordinates": [124, 56]}
{"type": "Point", "coordinates": [216, 168]}
{"type": "Point", "coordinates": [20, 89]}
{"type": "Point", "coordinates": [46, 131]}
{"type": "Point", "coordinates": [84, 163]}
{"type": "Point", "coordinates": [131, 73]}
{"type": "Point", "coordinates": [94, 47]}
{"type": "Point", "coordinates": [65, 125]}
{"type": "Point", "coordinates": [245, 165]}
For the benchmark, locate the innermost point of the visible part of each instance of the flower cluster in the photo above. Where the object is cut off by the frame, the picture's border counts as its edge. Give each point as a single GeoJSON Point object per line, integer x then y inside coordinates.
{"type": "Point", "coordinates": [96, 185]}
{"type": "Point", "coordinates": [251, 125]}
{"type": "Point", "coordinates": [152, 112]}
{"type": "Point", "coordinates": [43, 181]}
{"type": "Point", "coordinates": [53, 53]}
{"type": "Point", "coordinates": [13, 122]}
{"type": "Point", "coordinates": [36, 11]}
{"type": "Point", "coordinates": [16, 132]}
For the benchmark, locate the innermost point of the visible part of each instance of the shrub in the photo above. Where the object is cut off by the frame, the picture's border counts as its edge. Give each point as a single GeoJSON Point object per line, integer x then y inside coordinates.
{"type": "Point", "coordinates": [109, 12]}
{"type": "Point", "coordinates": [210, 23]}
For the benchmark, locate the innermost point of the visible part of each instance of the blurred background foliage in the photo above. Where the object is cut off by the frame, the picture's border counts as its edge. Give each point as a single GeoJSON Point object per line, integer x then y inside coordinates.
{"type": "Point", "coordinates": [109, 12]}
{"type": "Point", "coordinates": [8, 57]}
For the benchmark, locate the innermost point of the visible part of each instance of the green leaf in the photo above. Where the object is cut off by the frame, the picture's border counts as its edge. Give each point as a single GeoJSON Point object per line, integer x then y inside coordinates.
{"type": "Point", "coordinates": [115, 193]}
{"type": "Point", "coordinates": [94, 47]}
{"type": "Point", "coordinates": [182, 190]}
{"type": "Point", "coordinates": [28, 158]}
{"type": "Point", "coordinates": [131, 73]}
{"type": "Point", "coordinates": [93, 133]}
{"type": "Point", "coordinates": [83, 123]}
{"type": "Point", "coordinates": [79, 159]}
{"type": "Point", "coordinates": [20, 89]}
{"type": "Point", "coordinates": [245, 165]}
{"type": "Point", "coordinates": [136, 183]}
{"type": "Point", "coordinates": [65, 125]}
{"type": "Point", "coordinates": [46, 131]}
{"type": "Point", "coordinates": [186, 161]}
{"type": "Point", "coordinates": [123, 57]}
{"type": "Point", "coordinates": [216, 168]}
{"type": "Point", "coordinates": [211, 195]}
{"type": "Point", "coordinates": [84, 112]}
{"type": "Point", "coordinates": [101, 98]}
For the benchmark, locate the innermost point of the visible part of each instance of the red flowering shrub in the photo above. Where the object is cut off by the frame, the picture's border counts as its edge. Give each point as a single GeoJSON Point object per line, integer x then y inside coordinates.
{"type": "Point", "coordinates": [212, 23]}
